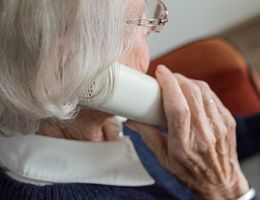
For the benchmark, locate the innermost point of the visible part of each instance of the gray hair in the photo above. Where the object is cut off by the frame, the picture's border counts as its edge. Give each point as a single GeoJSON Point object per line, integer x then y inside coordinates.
{"type": "Point", "coordinates": [50, 52]}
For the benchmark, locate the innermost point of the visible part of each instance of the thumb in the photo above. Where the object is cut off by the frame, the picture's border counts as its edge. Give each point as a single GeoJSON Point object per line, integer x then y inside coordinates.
{"type": "Point", "coordinates": [152, 137]}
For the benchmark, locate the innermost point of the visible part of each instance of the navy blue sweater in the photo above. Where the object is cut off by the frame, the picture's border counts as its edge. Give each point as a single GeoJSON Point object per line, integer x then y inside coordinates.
{"type": "Point", "coordinates": [167, 187]}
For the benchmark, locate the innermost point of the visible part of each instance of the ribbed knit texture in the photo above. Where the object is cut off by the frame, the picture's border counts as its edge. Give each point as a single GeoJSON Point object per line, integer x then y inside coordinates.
{"type": "Point", "coordinates": [167, 187]}
{"type": "Point", "coordinates": [12, 190]}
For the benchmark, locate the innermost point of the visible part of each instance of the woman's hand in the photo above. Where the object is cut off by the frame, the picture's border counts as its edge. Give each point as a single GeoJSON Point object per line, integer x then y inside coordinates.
{"type": "Point", "coordinates": [200, 148]}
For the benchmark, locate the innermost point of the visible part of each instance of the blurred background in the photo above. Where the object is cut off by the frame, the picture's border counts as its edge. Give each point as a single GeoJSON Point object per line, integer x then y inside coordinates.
{"type": "Point", "coordinates": [236, 20]}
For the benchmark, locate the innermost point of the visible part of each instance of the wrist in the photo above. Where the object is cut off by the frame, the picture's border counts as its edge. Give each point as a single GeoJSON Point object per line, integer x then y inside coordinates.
{"type": "Point", "coordinates": [226, 191]}
{"type": "Point", "coordinates": [241, 187]}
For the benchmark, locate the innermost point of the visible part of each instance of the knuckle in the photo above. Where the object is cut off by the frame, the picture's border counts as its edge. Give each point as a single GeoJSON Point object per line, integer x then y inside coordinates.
{"type": "Point", "coordinates": [213, 141]}
{"type": "Point", "coordinates": [204, 85]}
{"type": "Point", "coordinates": [205, 144]}
{"type": "Point", "coordinates": [232, 123]}
{"type": "Point", "coordinates": [182, 112]}
{"type": "Point", "coordinates": [223, 131]}
{"type": "Point", "coordinates": [195, 91]}
{"type": "Point", "coordinates": [210, 141]}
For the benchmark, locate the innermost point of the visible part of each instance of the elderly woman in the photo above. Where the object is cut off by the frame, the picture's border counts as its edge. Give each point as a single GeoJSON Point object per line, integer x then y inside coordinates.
{"type": "Point", "coordinates": [52, 147]}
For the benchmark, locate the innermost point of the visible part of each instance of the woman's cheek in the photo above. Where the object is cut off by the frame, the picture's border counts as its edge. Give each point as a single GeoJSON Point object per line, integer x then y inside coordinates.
{"type": "Point", "coordinates": [143, 56]}
{"type": "Point", "coordinates": [139, 57]}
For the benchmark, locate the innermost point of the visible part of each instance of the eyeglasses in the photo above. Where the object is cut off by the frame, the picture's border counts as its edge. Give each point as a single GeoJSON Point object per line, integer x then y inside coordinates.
{"type": "Point", "coordinates": [158, 20]}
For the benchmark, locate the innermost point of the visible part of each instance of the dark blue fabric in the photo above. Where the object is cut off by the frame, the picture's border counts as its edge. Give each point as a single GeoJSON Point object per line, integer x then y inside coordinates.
{"type": "Point", "coordinates": [161, 176]}
{"type": "Point", "coordinates": [13, 190]}
{"type": "Point", "coordinates": [167, 187]}
{"type": "Point", "coordinates": [248, 136]}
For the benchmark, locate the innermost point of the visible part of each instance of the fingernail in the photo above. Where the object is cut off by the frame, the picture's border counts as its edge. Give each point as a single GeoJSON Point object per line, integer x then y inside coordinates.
{"type": "Point", "coordinates": [162, 69]}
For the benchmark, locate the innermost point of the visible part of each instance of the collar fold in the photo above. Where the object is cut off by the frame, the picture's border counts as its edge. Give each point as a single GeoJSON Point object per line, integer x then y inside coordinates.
{"type": "Point", "coordinates": [44, 160]}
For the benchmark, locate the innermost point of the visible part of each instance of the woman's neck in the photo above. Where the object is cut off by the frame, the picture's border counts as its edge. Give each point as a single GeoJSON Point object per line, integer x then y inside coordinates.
{"type": "Point", "coordinates": [89, 125]}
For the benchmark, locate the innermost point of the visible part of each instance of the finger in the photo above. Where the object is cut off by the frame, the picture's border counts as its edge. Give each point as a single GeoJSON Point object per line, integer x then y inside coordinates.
{"type": "Point", "coordinates": [153, 138]}
{"type": "Point", "coordinates": [218, 125]}
{"type": "Point", "coordinates": [175, 105]}
{"type": "Point", "coordinates": [231, 127]}
{"type": "Point", "coordinates": [226, 148]}
{"type": "Point", "coordinates": [193, 94]}
{"type": "Point", "coordinates": [211, 109]}
{"type": "Point", "coordinates": [205, 137]}
{"type": "Point", "coordinates": [157, 142]}
{"type": "Point", "coordinates": [112, 129]}
{"type": "Point", "coordinates": [212, 105]}
{"type": "Point", "coordinates": [187, 157]}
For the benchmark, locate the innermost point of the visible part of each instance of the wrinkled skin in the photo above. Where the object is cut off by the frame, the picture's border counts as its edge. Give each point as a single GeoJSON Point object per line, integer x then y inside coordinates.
{"type": "Point", "coordinates": [200, 148]}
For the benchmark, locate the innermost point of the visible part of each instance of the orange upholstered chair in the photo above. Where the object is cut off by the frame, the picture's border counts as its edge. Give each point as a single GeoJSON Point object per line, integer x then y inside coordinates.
{"type": "Point", "coordinates": [225, 69]}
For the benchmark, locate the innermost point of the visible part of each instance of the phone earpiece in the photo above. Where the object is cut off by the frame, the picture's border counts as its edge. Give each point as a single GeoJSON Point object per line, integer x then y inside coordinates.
{"type": "Point", "coordinates": [136, 96]}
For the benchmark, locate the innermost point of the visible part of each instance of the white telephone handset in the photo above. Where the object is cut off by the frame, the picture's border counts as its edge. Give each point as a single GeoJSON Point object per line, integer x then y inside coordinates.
{"type": "Point", "coordinates": [136, 96]}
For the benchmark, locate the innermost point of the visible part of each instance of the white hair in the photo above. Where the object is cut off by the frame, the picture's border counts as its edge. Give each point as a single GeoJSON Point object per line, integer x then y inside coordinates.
{"type": "Point", "coordinates": [50, 52]}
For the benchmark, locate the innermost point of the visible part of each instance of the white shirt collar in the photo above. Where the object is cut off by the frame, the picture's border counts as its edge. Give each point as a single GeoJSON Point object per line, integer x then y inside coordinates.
{"type": "Point", "coordinates": [44, 160]}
